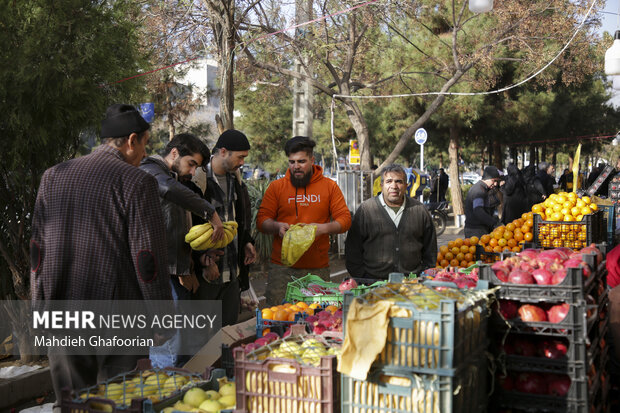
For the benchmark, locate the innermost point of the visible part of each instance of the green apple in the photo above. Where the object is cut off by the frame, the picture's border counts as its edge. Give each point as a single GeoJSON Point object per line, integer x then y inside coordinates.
{"type": "Point", "coordinates": [182, 407]}
{"type": "Point", "coordinates": [194, 396]}
{"type": "Point", "coordinates": [228, 389]}
{"type": "Point", "coordinates": [211, 406]}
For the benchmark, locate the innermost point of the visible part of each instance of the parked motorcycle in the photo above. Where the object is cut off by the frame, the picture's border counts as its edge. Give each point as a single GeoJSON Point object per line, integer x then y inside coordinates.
{"type": "Point", "coordinates": [439, 213]}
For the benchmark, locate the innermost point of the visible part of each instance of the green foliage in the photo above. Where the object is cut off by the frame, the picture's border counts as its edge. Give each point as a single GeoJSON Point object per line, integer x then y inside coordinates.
{"type": "Point", "coordinates": [59, 64]}
{"type": "Point", "coordinates": [262, 242]}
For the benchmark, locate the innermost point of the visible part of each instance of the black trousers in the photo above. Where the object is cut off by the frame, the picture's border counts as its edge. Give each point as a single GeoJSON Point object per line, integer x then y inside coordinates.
{"type": "Point", "coordinates": [228, 293]}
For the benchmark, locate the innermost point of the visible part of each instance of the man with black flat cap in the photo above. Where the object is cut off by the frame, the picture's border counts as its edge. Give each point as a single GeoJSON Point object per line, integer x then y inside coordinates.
{"type": "Point", "coordinates": [479, 218]}
{"type": "Point", "coordinates": [224, 277]}
{"type": "Point", "coordinates": [98, 234]}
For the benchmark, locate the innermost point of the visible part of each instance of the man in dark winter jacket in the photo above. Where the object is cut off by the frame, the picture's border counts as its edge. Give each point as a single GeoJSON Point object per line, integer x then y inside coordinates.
{"type": "Point", "coordinates": [224, 278]}
{"type": "Point", "coordinates": [545, 174]}
{"type": "Point", "coordinates": [390, 233]}
{"type": "Point", "coordinates": [479, 217]}
{"type": "Point", "coordinates": [182, 155]}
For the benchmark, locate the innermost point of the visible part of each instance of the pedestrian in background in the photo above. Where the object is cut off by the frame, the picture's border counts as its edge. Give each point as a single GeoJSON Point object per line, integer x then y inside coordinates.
{"type": "Point", "coordinates": [515, 196]}
{"type": "Point", "coordinates": [479, 214]}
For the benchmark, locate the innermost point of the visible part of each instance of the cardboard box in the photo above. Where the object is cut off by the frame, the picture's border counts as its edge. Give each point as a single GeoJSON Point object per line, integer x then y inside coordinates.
{"type": "Point", "coordinates": [212, 351]}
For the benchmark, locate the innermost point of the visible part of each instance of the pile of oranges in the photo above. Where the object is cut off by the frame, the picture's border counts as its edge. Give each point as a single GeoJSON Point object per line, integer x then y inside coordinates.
{"type": "Point", "coordinates": [509, 237]}
{"type": "Point", "coordinates": [563, 208]}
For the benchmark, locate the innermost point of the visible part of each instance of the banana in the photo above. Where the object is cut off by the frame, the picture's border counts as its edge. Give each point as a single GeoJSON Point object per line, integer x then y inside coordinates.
{"type": "Point", "coordinates": [201, 239]}
{"type": "Point", "coordinates": [208, 244]}
{"type": "Point", "coordinates": [229, 234]}
{"type": "Point", "coordinates": [232, 223]}
{"type": "Point", "coordinates": [196, 231]}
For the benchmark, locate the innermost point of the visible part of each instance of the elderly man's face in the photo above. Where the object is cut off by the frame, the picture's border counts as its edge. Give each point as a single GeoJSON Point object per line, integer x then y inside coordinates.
{"type": "Point", "coordinates": [393, 188]}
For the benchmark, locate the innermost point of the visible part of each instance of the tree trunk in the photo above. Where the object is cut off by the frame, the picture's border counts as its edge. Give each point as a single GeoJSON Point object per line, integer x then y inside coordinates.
{"type": "Point", "coordinates": [356, 117]}
{"type": "Point", "coordinates": [227, 74]}
{"type": "Point", "coordinates": [453, 171]}
{"type": "Point", "coordinates": [482, 160]}
{"type": "Point", "coordinates": [497, 154]}
{"type": "Point", "coordinates": [532, 155]}
{"type": "Point", "coordinates": [554, 157]}
{"type": "Point", "coordinates": [543, 153]}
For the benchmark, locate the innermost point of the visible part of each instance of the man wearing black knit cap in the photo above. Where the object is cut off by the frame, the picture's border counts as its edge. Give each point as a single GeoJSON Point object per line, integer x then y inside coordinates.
{"type": "Point", "coordinates": [98, 234]}
{"type": "Point", "coordinates": [223, 278]}
{"type": "Point", "coordinates": [479, 217]}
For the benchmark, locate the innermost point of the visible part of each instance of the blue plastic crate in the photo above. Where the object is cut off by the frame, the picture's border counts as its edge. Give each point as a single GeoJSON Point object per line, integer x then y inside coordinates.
{"type": "Point", "coordinates": [276, 326]}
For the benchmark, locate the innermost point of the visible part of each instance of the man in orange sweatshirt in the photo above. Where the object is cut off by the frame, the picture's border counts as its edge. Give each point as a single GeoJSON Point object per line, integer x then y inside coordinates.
{"type": "Point", "coordinates": [303, 195]}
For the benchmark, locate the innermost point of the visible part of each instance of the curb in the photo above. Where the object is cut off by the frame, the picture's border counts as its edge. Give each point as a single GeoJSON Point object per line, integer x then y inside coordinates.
{"type": "Point", "coordinates": [25, 388]}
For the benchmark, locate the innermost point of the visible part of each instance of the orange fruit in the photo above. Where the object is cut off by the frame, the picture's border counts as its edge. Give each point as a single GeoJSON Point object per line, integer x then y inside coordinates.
{"type": "Point", "coordinates": [579, 217]}
{"type": "Point", "coordinates": [286, 305]}
{"type": "Point", "coordinates": [557, 216]}
{"type": "Point", "coordinates": [537, 208]}
{"type": "Point", "coordinates": [472, 249]}
{"type": "Point", "coordinates": [565, 211]}
{"type": "Point", "coordinates": [448, 256]}
{"type": "Point", "coordinates": [309, 311]}
{"type": "Point", "coordinates": [266, 330]}
{"type": "Point", "coordinates": [301, 304]}
{"type": "Point", "coordinates": [528, 236]}
{"type": "Point", "coordinates": [518, 222]}
{"type": "Point", "coordinates": [444, 263]}
{"type": "Point", "coordinates": [529, 222]}
{"type": "Point", "coordinates": [498, 234]}
{"type": "Point", "coordinates": [510, 227]}
{"type": "Point", "coordinates": [293, 308]}
{"type": "Point", "coordinates": [450, 244]}
{"type": "Point", "coordinates": [501, 242]}
{"type": "Point", "coordinates": [525, 229]}
{"type": "Point", "coordinates": [524, 215]}
{"type": "Point", "coordinates": [497, 249]}
{"type": "Point", "coordinates": [511, 243]}
{"type": "Point", "coordinates": [586, 210]}
{"type": "Point", "coordinates": [579, 203]}
{"type": "Point", "coordinates": [493, 242]}
{"type": "Point", "coordinates": [274, 308]}
{"type": "Point", "coordinates": [488, 248]}
{"type": "Point", "coordinates": [529, 215]}
{"type": "Point", "coordinates": [575, 211]}
{"type": "Point", "coordinates": [314, 306]}
{"type": "Point", "coordinates": [281, 315]}
{"type": "Point", "coordinates": [484, 240]}
{"type": "Point", "coordinates": [518, 236]}
{"type": "Point", "coordinates": [469, 256]}
{"type": "Point", "coordinates": [568, 204]}
{"type": "Point", "coordinates": [463, 264]}
{"type": "Point", "coordinates": [331, 308]}
{"type": "Point", "coordinates": [458, 242]}
{"type": "Point", "coordinates": [593, 207]}
{"type": "Point", "coordinates": [267, 314]}
{"type": "Point", "coordinates": [466, 242]}
{"type": "Point", "coordinates": [291, 316]}
{"type": "Point", "coordinates": [474, 240]}
{"type": "Point", "coordinates": [586, 200]}
{"type": "Point", "coordinates": [454, 263]}
{"type": "Point", "coordinates": [464, 249]}
{"type": "Point", "coordinates": [443, 249]}
{"type": "Point", "coordinates": [568, 218]}
{"type": "Point", "coordinates": [460, 256]}
{"type": "Point", "coordinates": [508, 234]}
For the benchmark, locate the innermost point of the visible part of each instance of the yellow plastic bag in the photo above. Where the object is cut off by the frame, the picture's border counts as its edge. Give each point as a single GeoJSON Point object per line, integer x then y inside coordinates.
{"type": "Point", "coordinates": [296, 242]}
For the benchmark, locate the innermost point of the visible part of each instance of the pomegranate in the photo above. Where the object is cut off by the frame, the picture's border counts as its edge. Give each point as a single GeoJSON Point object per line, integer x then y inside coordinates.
{"type": "Point", "coordinates": [501, 270]}
{"type": "Point", "coordinates": [559, 276]}
{"type": "Point", "coordinates": [553, 349]}
{"type": "Point", "coordinates": [557, 313]}
{"type": "Point", "coordinates": [529, 254]}
{"type": "Point", "coordinates": [531, 383]}
{"type": "Point", "coordinates": [347, 284]}
{"type": "Point", "coordinates": [520, 277]}
{"type": "Point", "coordinates": [542, 276]}
{"type": "Point", "coordinates": [532, 313]}
{"type": "Point", "coordinates": [558, 384]}
{"type": "Point", "coordinates": [592, 249]}
{"type": "Point", "coordinates": [552, 255]}
{"type": "Point", "coordinates": [508, 309]}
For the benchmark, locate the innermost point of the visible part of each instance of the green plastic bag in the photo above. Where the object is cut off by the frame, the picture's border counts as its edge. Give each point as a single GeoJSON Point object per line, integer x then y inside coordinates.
{"type": "Point", "coordinates": [296, 242]}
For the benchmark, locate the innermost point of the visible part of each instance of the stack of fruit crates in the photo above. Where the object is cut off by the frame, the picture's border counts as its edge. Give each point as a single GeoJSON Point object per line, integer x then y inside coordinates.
{"type": "Point", "coordinates": [609, 219]}
{"type": "Point", "coordinates": [433, 360]}
{"type": "Point", "coordinates": [313, 289]}
{"type": "Point", "coordinates": [547, 366]}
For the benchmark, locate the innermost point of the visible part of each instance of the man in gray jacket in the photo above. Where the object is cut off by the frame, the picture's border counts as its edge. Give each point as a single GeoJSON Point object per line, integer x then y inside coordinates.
{"type": "Point", "coordinates": [390, 233]}
{"type": "Point", "coordinates": [182, 155]}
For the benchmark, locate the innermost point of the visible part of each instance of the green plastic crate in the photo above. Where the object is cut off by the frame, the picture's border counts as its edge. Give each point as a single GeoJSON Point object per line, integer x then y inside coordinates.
{"type": "Point", "coordinates": [294, 290]}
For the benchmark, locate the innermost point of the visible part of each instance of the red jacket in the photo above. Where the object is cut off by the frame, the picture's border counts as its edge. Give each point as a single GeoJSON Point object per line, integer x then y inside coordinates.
{"type": "Point", "coordinates": [318, 203]}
